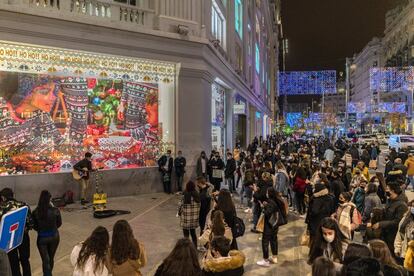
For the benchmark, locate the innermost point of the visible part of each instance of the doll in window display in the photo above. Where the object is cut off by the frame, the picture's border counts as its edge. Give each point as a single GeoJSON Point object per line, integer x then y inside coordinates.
{"type": "Point", "coordinates": [26, 127]}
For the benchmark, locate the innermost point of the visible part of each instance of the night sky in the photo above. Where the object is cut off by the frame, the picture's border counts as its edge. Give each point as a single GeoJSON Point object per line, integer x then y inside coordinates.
{"type": "Point", "coordinates": [322, 33]}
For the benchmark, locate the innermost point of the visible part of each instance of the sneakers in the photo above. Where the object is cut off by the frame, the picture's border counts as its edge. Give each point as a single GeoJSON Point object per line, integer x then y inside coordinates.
{"type": "Point", "coordinates": [264, 263]}
{"type": "Point", "coordinates": [273, 259]}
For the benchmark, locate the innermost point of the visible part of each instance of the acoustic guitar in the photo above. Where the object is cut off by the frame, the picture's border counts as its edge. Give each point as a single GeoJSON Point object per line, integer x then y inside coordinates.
{"type": "Point", "coordinates": [78, 175]}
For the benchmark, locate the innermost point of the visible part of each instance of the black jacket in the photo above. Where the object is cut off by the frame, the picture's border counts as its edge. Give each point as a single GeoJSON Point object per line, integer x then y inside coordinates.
{"type": "Point", "coordinates": [336, 187]}
{"type": "Point", "coordinates": [84, 163]}
{"type": "Point", "coordinates": [199, 168]}
{"type": "Point", "coordinates": [321, 205]}
{"type": "Point", "coordinates": [261, 194]}
{"type": "Point", "coordinates": [230, 168]}
{"type": "Point", "coordinates": [50, 225]}
{"type": "Point", "coordinates": [161, 163]}
{"type": "Point", "coordinates": [393, 213]}
{"type": "Point", "coordinates": [217, 164]}
{"type": "Point", "coordinates": [179, 164]}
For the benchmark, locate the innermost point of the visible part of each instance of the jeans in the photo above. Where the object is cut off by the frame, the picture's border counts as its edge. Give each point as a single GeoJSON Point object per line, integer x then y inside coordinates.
{"type": "Point", "coordinates": [411, 180]}
{"type": "Point", "coordinates": [230, 184]}
{"type": "Point", "coordinates": [187, 233]}
{"type": "Point", "coordinates": [166, 182]}
{"type": "Point", "coordinates": [300, 202]}
{"type": "Point", "coordinates": [249, 196]}
{"type": "Point", "coordinates": [243, 190]}
{"type": "Point", "coordinates": [20, 257]}
{"type": "Point", "coordinates": [84, 184]}
{"type": "Point", "coordinates": [47, 247]}
{"type": "Point", "coordinates": [269, 237]}
{"type": "Point", "coordinates": [180, 182]}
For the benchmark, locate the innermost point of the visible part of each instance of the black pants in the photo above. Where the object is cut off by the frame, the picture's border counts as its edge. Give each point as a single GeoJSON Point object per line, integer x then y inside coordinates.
{"type": "Point", "coordinates": [193, 235]}
{"type": "Point", "coordinates": [202, 219]}
{"type": "Point", "coordinates": [20, 257]}
{"type": "Point", "coordinates": [216, 183]}
{"type": "Point", "coordinates": [47, 248]}
{"type": "Point", "coordinates": [167, 184]}
{"type": "Point", "coordinates": [300, 202]}
{"type": "Point", "coordinates": [269, 236]}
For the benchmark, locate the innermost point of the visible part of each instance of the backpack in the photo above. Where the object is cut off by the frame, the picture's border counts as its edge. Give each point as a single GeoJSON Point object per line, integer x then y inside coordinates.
{"type": "Point", "coordinates": [239, 227]}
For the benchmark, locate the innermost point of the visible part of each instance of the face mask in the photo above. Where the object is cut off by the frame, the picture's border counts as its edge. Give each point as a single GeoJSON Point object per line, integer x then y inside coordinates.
{"type": "Point", "coordinates": [329, 238]}
{"type": "Point", "coordinates": [388, 194]}
{"type": "Point", "coordinates": [412, 210]}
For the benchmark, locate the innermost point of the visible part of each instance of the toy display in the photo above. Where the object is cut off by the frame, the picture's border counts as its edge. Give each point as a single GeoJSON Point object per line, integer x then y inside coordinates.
{"type": "Point", "coordinates": [47, 122]}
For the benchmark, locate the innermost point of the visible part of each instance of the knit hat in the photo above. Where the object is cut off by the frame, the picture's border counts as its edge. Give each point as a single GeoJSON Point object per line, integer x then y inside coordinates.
{"type": "Point", "coordinates": [319, 187]}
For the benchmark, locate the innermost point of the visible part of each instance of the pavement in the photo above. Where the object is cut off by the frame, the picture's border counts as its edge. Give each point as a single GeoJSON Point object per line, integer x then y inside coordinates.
{"type": "Point", "coordinates": [153, 219]}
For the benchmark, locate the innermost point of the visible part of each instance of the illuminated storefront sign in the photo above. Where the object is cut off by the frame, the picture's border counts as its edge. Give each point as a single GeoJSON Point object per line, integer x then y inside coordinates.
{"type": "Point", "coordinates": [56, 104]}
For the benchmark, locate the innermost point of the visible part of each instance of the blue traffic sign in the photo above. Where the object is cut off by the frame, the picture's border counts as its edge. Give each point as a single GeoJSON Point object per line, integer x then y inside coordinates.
{"type": "Point", "coordinates": [12, 229]}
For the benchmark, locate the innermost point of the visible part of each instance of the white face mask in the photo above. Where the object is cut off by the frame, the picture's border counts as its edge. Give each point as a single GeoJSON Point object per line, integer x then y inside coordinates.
{"type": "Point", "coordinates": [329, 238]}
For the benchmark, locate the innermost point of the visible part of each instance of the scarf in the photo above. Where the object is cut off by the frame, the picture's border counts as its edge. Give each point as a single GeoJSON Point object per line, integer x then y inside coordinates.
{"type": "Point", "coordinates": [344, 218]}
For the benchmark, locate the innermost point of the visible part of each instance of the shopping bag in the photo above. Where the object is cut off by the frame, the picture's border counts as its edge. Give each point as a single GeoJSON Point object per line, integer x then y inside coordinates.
{"type": "Point", "coordinates": [373, 164]}
{"type": "Point", "coordinates": [305, 239]}
{"type": "Point", "coordinates": [217, 173]}
{"type": "Point", "coordinates": [260, 224]}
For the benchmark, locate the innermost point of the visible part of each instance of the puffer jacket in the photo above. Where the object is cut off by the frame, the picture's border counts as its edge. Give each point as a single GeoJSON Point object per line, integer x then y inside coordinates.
{"type": "Point", "coordinates": [321, 205]}
{"type": "Point", "coordinates": [394, 212]}
{"type": "Point", "coordinates": [231, 265]}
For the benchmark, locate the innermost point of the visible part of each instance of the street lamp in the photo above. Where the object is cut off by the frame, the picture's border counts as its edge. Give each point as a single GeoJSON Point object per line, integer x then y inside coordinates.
{"type": "Point", "coordinates": [348, 66]}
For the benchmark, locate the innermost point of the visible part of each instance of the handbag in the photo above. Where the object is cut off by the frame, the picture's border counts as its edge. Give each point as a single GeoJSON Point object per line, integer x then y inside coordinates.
{"type": "Point", "coordinates": [217, 173]}
{"type": "Point", "coordinates": [260, 223]}
{"type": "Point", "coordinates": [277, 219]}
{"type": "Point", "coordinates": [239, 227]}
{"type": "Point", "coordinates": [305, 238]}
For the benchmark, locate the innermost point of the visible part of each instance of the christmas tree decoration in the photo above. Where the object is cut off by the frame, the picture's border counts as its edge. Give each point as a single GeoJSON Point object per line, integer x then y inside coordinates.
{"type": "Point", "coordinates": [96, 101]}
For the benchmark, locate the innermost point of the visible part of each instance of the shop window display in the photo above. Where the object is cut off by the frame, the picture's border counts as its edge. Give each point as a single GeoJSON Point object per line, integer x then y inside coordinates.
{"type": "Point", "coordinates": [49, 119]}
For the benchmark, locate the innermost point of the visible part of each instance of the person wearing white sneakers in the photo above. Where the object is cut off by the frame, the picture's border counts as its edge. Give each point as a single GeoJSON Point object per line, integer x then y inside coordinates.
{"type": "Point", "coordinates": [274, 206]}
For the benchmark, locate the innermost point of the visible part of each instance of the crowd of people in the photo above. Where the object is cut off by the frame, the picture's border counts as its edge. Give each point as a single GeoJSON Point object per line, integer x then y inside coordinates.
{"type": "Point", "coordinates": [358, 221]}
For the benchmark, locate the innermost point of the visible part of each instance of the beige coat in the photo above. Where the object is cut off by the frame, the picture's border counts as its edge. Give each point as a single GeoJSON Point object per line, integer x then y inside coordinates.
{"type": "Point", "coordinates": [130, 267]}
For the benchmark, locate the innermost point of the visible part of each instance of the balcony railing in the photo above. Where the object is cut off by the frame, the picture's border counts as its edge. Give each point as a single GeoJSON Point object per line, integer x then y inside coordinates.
{"type": "Point", "coordinates": [108, 12]}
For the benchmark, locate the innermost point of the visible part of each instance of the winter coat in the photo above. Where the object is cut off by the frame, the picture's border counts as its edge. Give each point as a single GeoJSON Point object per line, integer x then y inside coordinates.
{"type": "Point", "coordinates": [281, 182]}
{"type": "Point", "coordinates": [89, 266]}
{"type": "Point", "coordinates": [230, 168]}
{"type": "Point", "coordinates": [199, 167]}
{"type": "Point", "coordinates": [404, 236]}
{"type": "Point", "coordinates": [163, 161]}
{"type": "Point", "coordinates": [4, 264]}
{"type": "Point", "coordinates": [179, 164]}
{"type": "Point", "coordinates": [370, 202]}
{"type": "Point", "coordinates": [47, 227]}
{"type": "Point", "coordinates": [232, 265]}
{"type": "Point", "coordinates": [216, 164]}
{"type": "Point", "coordinates": [129, 267]}
{"type": "Point", "coordinates": [358, 198]}
{"type": "Point", "coordinates": [189, 212]}
{"type": "Point", "coordinates": [260, 195]}
{"type": "Point", "coordinates": [394, 212]}
{"type": "Point", "coordinates": [321, 205]}
{"type": "Point", "coordinates": [355, 153]}
{"type": "Point", "coordinates": [269, 210]}
{"type": "Point", "coordinates": [409, 163]}
{"type": "Point", "coordinates": [208, 236]}
{"type": "Point", "coordinates": [409, 257]}
{"type": "Point", "coordinates": [300, 185]}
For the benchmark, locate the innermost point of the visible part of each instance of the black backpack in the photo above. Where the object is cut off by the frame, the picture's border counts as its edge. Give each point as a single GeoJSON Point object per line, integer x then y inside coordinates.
{"type": "Point", "coordinates": [239, 227]}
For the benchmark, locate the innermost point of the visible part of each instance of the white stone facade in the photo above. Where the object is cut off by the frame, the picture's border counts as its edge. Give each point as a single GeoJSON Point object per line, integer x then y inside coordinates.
{"type": "Point", "coordinates": [177, 31]}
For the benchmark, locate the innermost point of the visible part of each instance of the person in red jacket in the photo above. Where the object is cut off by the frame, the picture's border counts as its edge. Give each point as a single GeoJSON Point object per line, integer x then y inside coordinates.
{"type": "Point", "coordinates": [299, 187]}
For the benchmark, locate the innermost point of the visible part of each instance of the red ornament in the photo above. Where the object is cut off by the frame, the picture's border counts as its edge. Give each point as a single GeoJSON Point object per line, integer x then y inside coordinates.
{"type": "Point", "coordinates": [111, 91]}
{"type": "Point", "coordinates": [91, 83]}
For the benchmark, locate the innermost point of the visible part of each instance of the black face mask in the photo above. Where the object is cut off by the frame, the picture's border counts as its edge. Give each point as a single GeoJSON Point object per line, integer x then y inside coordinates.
{"type": "Point", "coordinates": [388, 194]}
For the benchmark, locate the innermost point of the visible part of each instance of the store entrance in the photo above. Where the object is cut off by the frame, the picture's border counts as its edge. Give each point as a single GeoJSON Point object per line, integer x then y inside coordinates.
{"type": "Point", "coordinates": [241, 123]}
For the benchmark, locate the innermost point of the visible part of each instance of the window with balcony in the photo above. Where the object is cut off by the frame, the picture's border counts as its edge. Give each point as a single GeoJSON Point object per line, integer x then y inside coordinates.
{"type": "Point", "coordinates": [238, 15]}
{"type": "Point", "coordinates": [218, 24]}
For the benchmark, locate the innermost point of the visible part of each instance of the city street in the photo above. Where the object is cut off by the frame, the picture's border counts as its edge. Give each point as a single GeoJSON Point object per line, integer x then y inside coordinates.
{"type": "Point", "coordinates": [156, 226]}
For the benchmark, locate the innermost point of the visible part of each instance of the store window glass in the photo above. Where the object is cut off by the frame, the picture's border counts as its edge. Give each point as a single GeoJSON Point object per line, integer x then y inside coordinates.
{"type": "Point", "coordinates": [238, 21]}
{"type": "Point", "coordinates": [257, 59]}
{"type": "Point", "coordinates": [218, 24]}
{"type": "Point", "coordinates": [218, 118]}
{"type": "Point", "coordinates": [56, 104]}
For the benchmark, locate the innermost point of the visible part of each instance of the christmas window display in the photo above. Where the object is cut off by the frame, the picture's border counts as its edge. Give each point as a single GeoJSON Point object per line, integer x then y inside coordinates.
{"type": "Point", "coordinates": [54, 108]}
